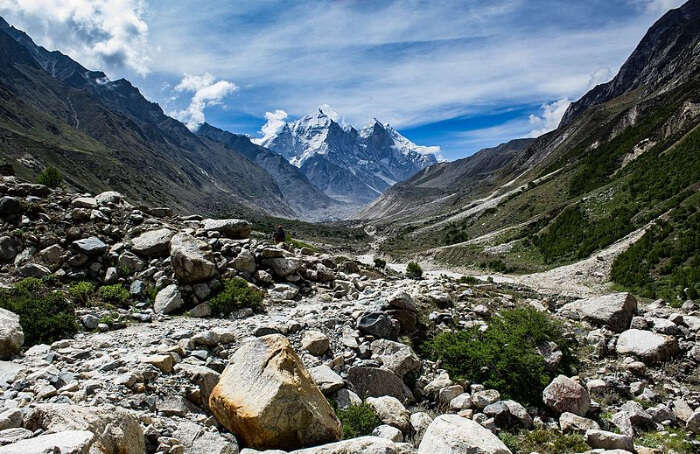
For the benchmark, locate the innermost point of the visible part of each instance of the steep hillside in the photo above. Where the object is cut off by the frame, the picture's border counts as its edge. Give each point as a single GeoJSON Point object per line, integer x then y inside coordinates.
{"type": "Point", "coordinates": [609, 170]}
{"type": "Point", "coordinates": [102, 133]}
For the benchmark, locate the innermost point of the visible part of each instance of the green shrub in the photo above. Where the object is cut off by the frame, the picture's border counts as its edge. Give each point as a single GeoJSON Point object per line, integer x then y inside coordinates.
{"type": "Point", "coordinates": [358, 420]}
{"type": "Point", "coordinates": [379, 263]}
{"type": "Point", "coordinates": [299, 244]}
{"type": "Point", "coordinates": [115, 293]}
{"type": "Point", "coordinates": [544, 441]}
{"type": "Point", "coordinates": [81, 292]}
{"type": "Point", "coordinates": [471, 280]}
{"type": "Point", "coordinates": [50, 177]}
{"type": "Point", "coordinates": [414, 271]}
{"type": "Point", "coordinates": [503, 357]}
{"type": "Point", "coordinates": [236, 294]}
{"type": "Point", "coordinates": [45, 316]}
{"type": "Point", "coordinates": [673, 440]}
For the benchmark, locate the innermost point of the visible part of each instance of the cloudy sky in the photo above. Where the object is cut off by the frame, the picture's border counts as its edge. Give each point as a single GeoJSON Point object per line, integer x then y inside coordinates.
{"type": "Point", "coordinates": [461, 75]}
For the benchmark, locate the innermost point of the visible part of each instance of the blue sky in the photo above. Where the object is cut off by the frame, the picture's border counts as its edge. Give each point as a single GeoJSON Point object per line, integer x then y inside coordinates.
{"type": "Point", "coordinates": [461, 75]}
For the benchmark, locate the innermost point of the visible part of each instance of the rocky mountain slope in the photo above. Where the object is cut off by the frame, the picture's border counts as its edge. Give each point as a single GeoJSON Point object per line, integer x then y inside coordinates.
{"type": "Point", "coordinates": [629, 158]}
{"type": "Point", "coordinates": [104, 134]}
{"type": "Point", "coordinates": [305, 198]}
{"type": "Point", "coordinates": [128, 332]}
{"type": "Point", "coordinates": [347, 164]}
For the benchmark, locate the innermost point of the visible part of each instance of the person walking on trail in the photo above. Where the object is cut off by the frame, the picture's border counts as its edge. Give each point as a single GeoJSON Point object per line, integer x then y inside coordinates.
{"type": "Point", "coordinates": [279, 236]}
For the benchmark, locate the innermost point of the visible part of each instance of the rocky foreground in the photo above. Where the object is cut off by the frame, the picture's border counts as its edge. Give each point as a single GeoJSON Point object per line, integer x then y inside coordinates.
{"type": "Point", "coordinates": [161, 361]}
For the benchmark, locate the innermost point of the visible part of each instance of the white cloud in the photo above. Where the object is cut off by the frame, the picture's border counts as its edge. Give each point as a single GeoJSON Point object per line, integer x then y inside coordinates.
{"type": "Point", "coordinates": [102, 34]}
{"type": "Point", "coordinates": [274, 122]}
{"type": "Point", "coordinates": [600, 76]}
{"type": "Point", "coordinates": [550, 117]}
{"type": "Point", "coordinates": [207, 92]}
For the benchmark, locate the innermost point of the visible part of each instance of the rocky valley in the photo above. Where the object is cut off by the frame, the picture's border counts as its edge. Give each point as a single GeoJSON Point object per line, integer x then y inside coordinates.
{"type": "Point", "coordinates": [540, 296]}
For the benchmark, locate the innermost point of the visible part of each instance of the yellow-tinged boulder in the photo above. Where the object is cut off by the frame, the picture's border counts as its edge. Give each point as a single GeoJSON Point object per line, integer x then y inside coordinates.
{"type": "Point", "coordinates": [268, 399]}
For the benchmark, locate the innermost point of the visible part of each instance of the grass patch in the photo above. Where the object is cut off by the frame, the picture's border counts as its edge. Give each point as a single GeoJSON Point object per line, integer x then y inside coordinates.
{"type": "Point", "coordinates": [544, 441]}
{"type": "Point", "coordinates": [115, 293]}
{"type": "Point", "coordinates": [358, 420]}
{"type": "Point", "coordinates": [298, 244]}
{"type": "Point", "coordinates": [504, 357]}
{"type": "Point", "coordinates": [81, 291]}
{"type": "Point", "coordinates": [45, 315]}
{"type": "Point", "coordinates": [236, 294]}
{"type": "Point", "coordinates": [674, 440]}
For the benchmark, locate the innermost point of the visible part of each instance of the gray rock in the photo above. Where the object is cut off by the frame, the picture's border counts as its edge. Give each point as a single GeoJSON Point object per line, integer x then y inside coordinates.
{"type": "Point", "coordinates": [566, 395]}
{"type": "Point", "coordinates": [377, 382]}
{"type": "Point", "coordinates": [245, 262]}
{"type": "Point", "coordinates": [614, 311]}
{"type": "Point", "coordinates": [569, 422]}
{"type": "Point", "coordinates": [11, 334]}
{"type": "Point", "coordinates": [390, 411]}
{"type": "Point", "coordinates": [230, 228]}
{"type": "Point", "coordinates": [377, 324]}
{"type": "Point", "coordinates": [9, 248]}
{"type": "Point", "coordinates": [397, 357]}
{"type": "Point", "coordinates": [197, 440]}
{"type": "Point", "coordinates": [90, 246]}
{"type": "Point", "coordinates": [65, 442]}
{"type": "Point", "coordinates": [450, 434]}
{"type": "Point", "coordinates": [481, 399]}
{"type": "Point", "coordinates": [153, 243]}
{"type": "Point", "coordinates": [601, 439]}
{"type": "Point", "coordinates": [388, 432]}
{"type": "Point", "coordinates": [34, 270]}
{"type": "Point", "coordinates": [10, 206]}
{"type": "Point", "coordinates": [283, 266]}
{"type": "Point", "coordinates": [168, 300]}
{"type": "Point", "coordinates": [191, 259]}
{"type": "Point", "coordinates": [327, 380]}
{"type": "Point", "coordinates": [315, 342]}
{"type": "Point", "coordinates": [364, 445]}
{"type": "Point", "coordinates": [650, 347]}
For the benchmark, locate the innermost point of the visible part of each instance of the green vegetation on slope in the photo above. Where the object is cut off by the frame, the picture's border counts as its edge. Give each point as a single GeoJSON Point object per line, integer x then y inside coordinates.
{"type": "Point", "coordinates": [45, 316]}
{"type": "Point", "coordinates": [504, 357]}
{"type": "Point", "coordinates": [665, 263]}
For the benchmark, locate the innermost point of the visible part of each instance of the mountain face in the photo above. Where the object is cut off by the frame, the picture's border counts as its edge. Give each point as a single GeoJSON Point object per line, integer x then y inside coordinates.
{"type": "Point", "coordinates": [296, 188]}
{"type": "Point", "coordinates": [101, 133]}
{"type": "Point", "coordinates": [347, 164]}
{"type": "Point", "coordinates": [626, 158]}
{"type": "Point", "coordinates": [667, 56]}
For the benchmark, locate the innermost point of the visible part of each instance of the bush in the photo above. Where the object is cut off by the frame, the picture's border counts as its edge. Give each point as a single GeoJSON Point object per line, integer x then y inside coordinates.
{"type": "Point", "coordinates": [414, 271]}
{"type": "Point", "coordinates": [504, 357]}
{"type": "Point", "coordinates": [358, 420]}
{"type": "Point", "coordinates": [115, 293]}
{"type": "Point", "coordinates": [471, 280]}
{"type": "Point", "coordinates": [50, 177]}
{"type": "Point", "coordinates": [236, 294]}
{"type": "Point", "coordinates": [81, 292]}
{"type": "Point", "coordinates": [379, 263]}
{"type": "Point", "coordinates": [45, 316]}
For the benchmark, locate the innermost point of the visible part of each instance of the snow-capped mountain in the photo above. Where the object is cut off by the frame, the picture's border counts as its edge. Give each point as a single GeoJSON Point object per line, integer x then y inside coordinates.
{"type": "Point", "coordinates": [347, 164]}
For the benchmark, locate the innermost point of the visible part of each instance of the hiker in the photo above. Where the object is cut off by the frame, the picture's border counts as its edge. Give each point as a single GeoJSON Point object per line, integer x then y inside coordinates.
{"type": "Point", "coordinates": [279, 236]}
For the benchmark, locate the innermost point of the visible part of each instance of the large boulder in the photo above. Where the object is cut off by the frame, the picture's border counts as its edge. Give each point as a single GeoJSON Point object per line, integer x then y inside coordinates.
{"type": "Point", "coordinates": [11, 334]}
{"type": "Point", "coordinates": [168, 300]}
{"type": "Point", "coordinates": [377, 381]}
{"type": "Point", "coordinates": [391, 411]}
{"type": "Point", "coordinates": [364, 445]}
{"type": "Point", "coordinates": [649, 346]}
{"type": "Point", "coordinates": [230, 228]}
{"type": "Point", "coordinates": [397, 357]}
{"type": "Point", "coordinates": [9, 248]}
{"type": "Point", "coordinates": [268, 399]}
{"type": "Point", "coordinates": [378, 324]}
{"type": "Point", "coordinates": [116, 430]}
{"type": "Point", "coordinates": [66, 442]}
{"type": "Point", "coordinates": [153, 243]}
{"type": "Point", "coordinates": [283, 266]}
{"type": "Point", "coordinates": [191, 258]}
{"type": "Point", "coordinates": [566, 395]}
{"type": "Point", "coordinates": [614, 311]}
{"type": "Point", "coordinates": [601, 439]}
{"type": "Point", "coordinates": [449, 434]}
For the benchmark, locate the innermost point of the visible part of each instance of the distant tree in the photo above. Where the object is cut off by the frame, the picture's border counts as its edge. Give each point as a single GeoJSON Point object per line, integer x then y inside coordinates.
{"type": "Point", "coordinates": [50, 177]}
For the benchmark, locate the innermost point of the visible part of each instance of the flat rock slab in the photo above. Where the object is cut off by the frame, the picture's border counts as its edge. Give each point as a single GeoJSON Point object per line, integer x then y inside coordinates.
{"type": "Point", "coordinates": [650, 347]}
{"type": "Point", "coordinates": [614, 311]}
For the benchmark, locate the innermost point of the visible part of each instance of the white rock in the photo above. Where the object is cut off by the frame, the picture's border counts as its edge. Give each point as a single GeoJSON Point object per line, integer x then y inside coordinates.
{"type": "Point", "coordinates": [648, 346]}
{"type": "Point", "coordinates": [450, 434]}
